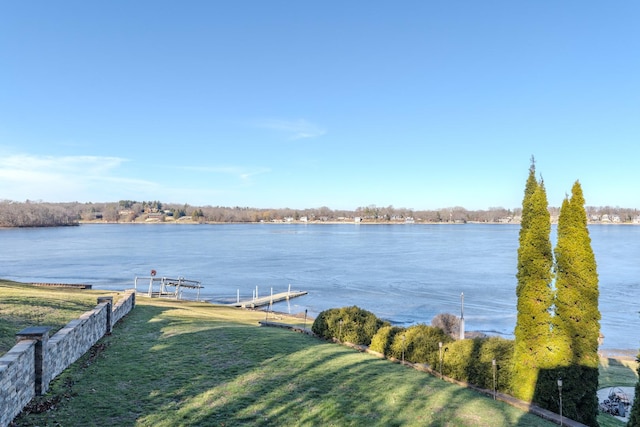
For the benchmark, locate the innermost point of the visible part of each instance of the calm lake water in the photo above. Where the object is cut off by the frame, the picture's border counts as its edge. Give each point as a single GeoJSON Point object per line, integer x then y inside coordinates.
{"type": "Point", "coordinates": [404, 273]}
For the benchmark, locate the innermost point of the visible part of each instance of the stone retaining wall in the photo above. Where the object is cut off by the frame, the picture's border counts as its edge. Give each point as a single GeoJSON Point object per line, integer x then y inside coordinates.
{"type": "Point", "coordinates": [17, 378]}
{"type": "Point", "coordinates": [29, 367]}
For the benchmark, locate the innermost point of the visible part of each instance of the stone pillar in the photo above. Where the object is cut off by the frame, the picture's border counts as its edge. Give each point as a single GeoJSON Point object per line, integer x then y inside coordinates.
{"type": "Point", "coordinates": [40, 334]}
{"type": "Point", "coordinates": [109, 301]}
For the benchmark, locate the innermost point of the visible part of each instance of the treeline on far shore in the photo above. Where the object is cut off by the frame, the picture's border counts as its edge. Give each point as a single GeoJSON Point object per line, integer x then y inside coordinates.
{"type": "Point", "coordinates": [45, 214]}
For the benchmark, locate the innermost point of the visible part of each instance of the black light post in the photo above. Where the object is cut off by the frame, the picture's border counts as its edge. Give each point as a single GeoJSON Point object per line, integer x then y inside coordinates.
{"type": "Point", "coordinates": [440, 347]}
{"type": "Point", "coordinates": [493, 362]}
{"type": "Point", "coordinates": [560, 393]}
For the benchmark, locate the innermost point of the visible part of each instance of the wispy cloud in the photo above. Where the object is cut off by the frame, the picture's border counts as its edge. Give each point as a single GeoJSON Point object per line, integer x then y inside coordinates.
{"type": "Point", "coordinates": [97, 178]}
{"type": "Point", "coordinates": [296, 129]}
{"type": "Point", "coordinates": [242, 173]}
{"type": "Point", "coordinates": [85, 165]}
{"type": "Point", "coordinates": [61, 178]}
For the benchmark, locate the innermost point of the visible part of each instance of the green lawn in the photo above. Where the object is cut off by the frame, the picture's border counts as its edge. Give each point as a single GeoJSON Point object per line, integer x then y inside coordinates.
{"type": "Point", "coordinates": [617, 372]}
{"type": "Point", "coordinates": [172, 363]}
{"type": "Point", "coordinates": [23, 305]}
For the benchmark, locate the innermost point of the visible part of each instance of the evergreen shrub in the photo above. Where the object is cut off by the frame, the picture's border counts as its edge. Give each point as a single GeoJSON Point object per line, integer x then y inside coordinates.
{"type": "Point", "coordinates": [420, 344]}
{"type": "Point", "coordinates": [471, 361]}
{"type": "Point", "coordinates": [382, 340]}
{"type": "Point", "coordinates": [358, 325]}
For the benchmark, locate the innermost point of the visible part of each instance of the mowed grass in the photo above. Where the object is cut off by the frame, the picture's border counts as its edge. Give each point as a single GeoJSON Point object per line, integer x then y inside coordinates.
{"type": "Point", "coordinates": [172, 363]}
{"type": "Point", "coordinates": [617, 372]}
{"type": "Point", "coordinates": [23, 305]}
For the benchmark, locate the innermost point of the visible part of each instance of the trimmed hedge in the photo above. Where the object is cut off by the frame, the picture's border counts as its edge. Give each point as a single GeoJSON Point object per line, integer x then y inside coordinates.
{"type": "Point", "coordinates": [467, 360]}
{"type": "Point", "coordinates": [350, 324]}
{"type": "Point", "coordinates": [420, 343]}
{"type": "Point", "coordinates": [470, 360]}
{"type": "Point", "coordinates": [382, 340]}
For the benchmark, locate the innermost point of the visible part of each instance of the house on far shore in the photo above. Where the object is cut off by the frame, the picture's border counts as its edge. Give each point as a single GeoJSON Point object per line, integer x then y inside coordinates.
{"type": "Point", "coordinates": [357, 220]}
{"type": "Point", "coordinates": [155, 216]}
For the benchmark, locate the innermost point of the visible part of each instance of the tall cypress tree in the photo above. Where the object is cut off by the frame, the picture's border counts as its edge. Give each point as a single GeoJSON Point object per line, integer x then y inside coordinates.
{"type": "Point", "coordinates": [534, 292]}
{"type": "Point", "coordinates": [576, 321]}
{"type": "Point", "coordinates": [634, 416]}
{"type": "Point", "coordinates": [529, 189]}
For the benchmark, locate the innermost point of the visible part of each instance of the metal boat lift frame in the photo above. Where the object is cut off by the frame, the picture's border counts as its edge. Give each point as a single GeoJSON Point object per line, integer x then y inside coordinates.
{"type": "Point", "coordinates": [166, 282]}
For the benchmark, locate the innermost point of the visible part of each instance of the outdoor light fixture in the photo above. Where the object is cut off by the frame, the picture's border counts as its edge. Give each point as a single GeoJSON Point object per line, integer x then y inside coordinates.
{"type": "Point", "coordinates": [493, 362]}
{"type": "Point", "coordinates": [560, 393]}
{"type": "Point", "coordinates": [403, 338]}
{"type": "Point", "coordinates": [440, 347]}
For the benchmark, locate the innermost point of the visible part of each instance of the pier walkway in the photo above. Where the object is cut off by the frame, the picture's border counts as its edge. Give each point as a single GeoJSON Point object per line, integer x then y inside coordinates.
{"type": "Point", "coordinates": [269, 299]}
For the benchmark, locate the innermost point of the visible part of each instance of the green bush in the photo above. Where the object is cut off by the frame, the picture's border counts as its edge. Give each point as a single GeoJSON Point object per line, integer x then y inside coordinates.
{"type": "Point", "coordinates": [420, 344]}
{"type": "Point", "coordinates": [382, 340]}
{"type": "Point", "coordinates": [351, 324]}
{"type": "Point", "coordinates": [471, 361]}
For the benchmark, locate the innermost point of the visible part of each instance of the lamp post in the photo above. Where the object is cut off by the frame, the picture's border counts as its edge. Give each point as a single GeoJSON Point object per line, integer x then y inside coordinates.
{"type": "Point", "coordinates": [305, 319]}
{"type": "Point", "coordinates": [493, 362]}
{"type": "Point", "coordinates": [440, 348]}
{"type": "Point", "coordinates": [340, 333]}
{"type": "Point", "coordinates": [560, 393]}
{"type": "Point", "coordinates": [403, 338]}
{"type": "Point", "coordinates": [462, 315]}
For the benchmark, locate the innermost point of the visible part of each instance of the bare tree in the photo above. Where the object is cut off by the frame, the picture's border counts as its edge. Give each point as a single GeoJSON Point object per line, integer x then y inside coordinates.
{"type": "Point", "coordinates": [448, 322]}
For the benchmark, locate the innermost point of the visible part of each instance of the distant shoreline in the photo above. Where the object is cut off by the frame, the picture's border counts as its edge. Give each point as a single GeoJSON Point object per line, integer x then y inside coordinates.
{"type": "Point", "coordinates": [173, 222]}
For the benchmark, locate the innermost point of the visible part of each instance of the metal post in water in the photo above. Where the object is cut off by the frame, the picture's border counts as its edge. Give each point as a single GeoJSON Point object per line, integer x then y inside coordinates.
{"type": "Point", "coordinates": [289, 288]}
{"type": "Point", "coordinates": [462, 315]}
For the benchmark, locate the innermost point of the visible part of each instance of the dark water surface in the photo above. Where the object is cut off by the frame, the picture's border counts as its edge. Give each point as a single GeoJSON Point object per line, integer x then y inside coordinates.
{"type": "Point", "coordinates": [403, 273]}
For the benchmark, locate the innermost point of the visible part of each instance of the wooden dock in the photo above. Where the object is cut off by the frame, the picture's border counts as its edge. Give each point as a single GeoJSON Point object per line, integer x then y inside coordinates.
{"type": "Point", "coordinates": [64, 285]}
{"type": "Point", "coordinates": [269, 299]}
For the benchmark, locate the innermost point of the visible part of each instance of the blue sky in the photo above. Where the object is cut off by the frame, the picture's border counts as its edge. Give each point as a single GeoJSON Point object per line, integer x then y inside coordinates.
{"type": "Point", "coordinates": [301, 104]}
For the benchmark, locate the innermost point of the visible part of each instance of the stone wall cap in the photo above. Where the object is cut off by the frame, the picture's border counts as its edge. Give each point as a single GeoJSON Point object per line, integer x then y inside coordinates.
{"type": "Point", "coordinates": [34, 331]}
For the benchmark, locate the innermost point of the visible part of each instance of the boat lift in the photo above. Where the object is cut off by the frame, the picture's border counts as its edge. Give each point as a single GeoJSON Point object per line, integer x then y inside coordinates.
{"type": "Point", "coordinates": [168, 287]}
